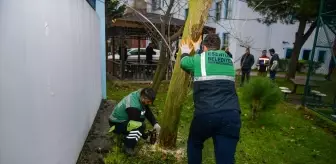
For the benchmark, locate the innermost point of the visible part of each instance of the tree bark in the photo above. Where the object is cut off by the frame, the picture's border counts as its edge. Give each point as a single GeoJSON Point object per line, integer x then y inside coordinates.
{"type": "Point", "coordinates": [164, 61]}
{"type": "Point", "coordinates": [300, 39]}
{"type": "Point", "coordinates": [161, 69]}
{"type": "Point", "coordinates": [198, 13]}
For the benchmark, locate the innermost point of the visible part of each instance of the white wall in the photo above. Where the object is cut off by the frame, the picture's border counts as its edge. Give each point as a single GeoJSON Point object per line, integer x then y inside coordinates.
{"type": "Point", "coordinates": [50, 87]}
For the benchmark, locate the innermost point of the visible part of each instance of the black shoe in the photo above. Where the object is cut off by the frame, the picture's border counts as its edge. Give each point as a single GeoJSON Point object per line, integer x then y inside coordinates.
{"type": "Point", "coordinates": [129, 151]}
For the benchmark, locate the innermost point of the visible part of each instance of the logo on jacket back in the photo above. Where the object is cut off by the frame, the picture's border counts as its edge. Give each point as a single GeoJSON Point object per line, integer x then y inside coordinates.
{"type": "Point", "coordinates": [219, 58]}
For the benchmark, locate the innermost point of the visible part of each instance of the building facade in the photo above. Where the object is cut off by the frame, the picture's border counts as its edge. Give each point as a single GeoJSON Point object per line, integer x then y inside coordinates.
{"type": "Point", "coordinates": [238, 27]}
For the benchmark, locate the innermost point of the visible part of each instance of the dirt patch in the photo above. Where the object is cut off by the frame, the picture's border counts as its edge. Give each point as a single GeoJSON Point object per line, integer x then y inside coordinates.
{"type": "Point", "coordinates": [97, 143]}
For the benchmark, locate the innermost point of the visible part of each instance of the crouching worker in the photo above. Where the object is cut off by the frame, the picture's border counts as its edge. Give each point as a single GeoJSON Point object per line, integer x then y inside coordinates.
{"type": "Point", "coordinates": [129, 115]}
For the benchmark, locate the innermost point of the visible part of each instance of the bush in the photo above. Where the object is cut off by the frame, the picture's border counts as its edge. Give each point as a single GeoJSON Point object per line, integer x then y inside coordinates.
{"type": "Point", "coordinates": [283, 65]}
{"type": "Point", "coordinates": [301, 65]}
{"type": "Point", "coordinates": [262, 94]}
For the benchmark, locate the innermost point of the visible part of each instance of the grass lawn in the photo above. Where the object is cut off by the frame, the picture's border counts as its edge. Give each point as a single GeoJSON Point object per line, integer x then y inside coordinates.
{"type": "Point", "coordinates": [282, 136]}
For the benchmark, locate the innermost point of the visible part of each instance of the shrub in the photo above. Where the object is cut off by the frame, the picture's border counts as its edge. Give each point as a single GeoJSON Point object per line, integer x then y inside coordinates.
{"type": "Point", "coordinates": [283, 65]}
{"type": "Point", "coordinates": [262, 94]}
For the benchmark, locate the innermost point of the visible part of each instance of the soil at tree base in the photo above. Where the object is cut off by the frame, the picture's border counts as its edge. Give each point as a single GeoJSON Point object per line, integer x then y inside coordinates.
{"type": "Point", "coordinates": [97, 143]}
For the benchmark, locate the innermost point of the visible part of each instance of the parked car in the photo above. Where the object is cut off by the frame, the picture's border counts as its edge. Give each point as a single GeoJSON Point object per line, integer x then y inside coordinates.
{"type": "Point", "coordinates": [132, 55]}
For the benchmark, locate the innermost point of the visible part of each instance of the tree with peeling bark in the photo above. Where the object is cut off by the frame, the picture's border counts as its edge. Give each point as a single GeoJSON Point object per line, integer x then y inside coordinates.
{"type": "Point", "coordinates": [304, 12]}
{"type": "Point", "coordinates": [165, 54]}
{"type": "Point", "coordinates": [197, 17]}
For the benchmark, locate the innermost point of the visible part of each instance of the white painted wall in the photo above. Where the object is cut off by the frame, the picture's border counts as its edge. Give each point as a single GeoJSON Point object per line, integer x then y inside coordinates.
{"type": "Point", "coordinates": [50, 87]}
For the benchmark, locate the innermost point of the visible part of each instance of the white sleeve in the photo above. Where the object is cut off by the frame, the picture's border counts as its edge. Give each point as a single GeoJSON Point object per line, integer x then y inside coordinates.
{"type": "Point", "coordinates": [274, 65]}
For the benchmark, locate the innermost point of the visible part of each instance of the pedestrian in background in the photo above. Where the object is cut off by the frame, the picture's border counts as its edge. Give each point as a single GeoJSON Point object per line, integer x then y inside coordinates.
{"type": "Point", "coordinates": [263, 64]}
{"type": "Point", "coordinates": [246, 64]}
{"type": "Point", "coordinates": [273, 63]}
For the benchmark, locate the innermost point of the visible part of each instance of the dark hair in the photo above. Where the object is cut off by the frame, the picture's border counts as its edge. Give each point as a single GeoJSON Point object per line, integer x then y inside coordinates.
{"type": "Point", "coordinates": [148, 93]}
{"type": "Point", "coordinates": [264, 50]}
{"type": "Point", "coordinates": [212, 41]}
{"type": "Point", "coordinates": [271, 50]}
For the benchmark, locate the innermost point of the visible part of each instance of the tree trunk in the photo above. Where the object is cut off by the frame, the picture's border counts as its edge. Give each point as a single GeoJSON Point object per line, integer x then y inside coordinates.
{"type": "Point", "coordinates": [198, 13]}
{"type": "Point", "coordinates": [300, 38]}
{"type": "Point", "coordinates": [161, 69]}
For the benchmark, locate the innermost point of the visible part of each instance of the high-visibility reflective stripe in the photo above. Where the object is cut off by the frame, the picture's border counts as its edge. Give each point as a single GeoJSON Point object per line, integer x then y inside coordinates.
{"type": "Point", "coordinates": [128, 101]}
{"type": "Point", "coordinates": [134, 135]}
{"type": "Point", "coordinates": [217, 77]}
{"type": "Point", "coordinates": [203, 67]}
{"type": "Point", "coordinates": [136, 132]}
{"type": "Point", "coordinates": [143, 113]}
{"type": "Point", "coordinates": [132, 138]}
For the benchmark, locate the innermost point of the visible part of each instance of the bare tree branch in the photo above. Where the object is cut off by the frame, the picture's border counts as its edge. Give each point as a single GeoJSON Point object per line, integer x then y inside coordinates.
{"type": "Point", "coordinates": [171, 5]}
{"type": "Point", "coordinates": [177, 34]}
{"type": "Point", "coordinates": [309, 31]}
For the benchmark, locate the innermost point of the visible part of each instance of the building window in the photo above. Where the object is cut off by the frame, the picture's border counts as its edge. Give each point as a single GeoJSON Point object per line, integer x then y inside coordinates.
{"type": "Point", "coordinates": [321, 56]}
{"type": "Point", "coordinates": [164, 3]}
{"type": "Point", "coordinates": [156, 4]}
{"type": "Point", "coordinates": [289, 53]}
{"type": "Point", "coordinates": [218, 11]}
{"type": "Point", "coordinates": [227, 12]}
{"type": "Point", "coordinates": [186, 11]}
{"type": "Point", "coordinates": [306, 54]}
{"type": "Point", "coordinates": [225, 40]}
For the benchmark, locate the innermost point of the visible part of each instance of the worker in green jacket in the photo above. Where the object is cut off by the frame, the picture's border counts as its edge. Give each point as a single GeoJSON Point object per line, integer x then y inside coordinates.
{"type": "Point", "coordinates": [129, 115]}
{"type": "Point", "coordinates": [217, 110]}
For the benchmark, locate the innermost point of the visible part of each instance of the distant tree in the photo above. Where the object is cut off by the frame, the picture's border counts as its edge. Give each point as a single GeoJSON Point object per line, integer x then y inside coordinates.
{"type": "Point", "coordinates": [114, 9]}
{"type": "Point", "coordinates": [289, 12]}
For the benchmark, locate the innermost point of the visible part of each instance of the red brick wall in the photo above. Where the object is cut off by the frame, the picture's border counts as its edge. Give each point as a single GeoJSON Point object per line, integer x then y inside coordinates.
{"type": "Point", "coordinates": [134, 43]}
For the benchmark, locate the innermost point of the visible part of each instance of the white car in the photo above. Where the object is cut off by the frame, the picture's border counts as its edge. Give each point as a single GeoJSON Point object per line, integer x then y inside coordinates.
{"type": "Point", "coordinates": [132, 55]}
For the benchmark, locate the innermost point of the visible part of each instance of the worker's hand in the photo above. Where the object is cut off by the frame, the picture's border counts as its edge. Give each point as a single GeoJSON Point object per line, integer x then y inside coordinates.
{"type": "Point", "coordinates": [185, 49]}
{"type": "Point", "coordinates": [157, 128]}
{"type": "Point", "coordinates": [197, 44]}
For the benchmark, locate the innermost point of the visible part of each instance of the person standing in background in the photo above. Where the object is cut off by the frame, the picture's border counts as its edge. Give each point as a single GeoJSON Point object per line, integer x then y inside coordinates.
{"type": "Point", "coordinates": [124, 55]}
{"type": "Point", "coordinates": [246, 64]}
{"type": "Point", "coordinates": [273, 63]}
{"type": "Point", "coordinates": [149, 53]}
{"type": "Point", "coordinates": [263, 63]}
{"type": "Point", "coordinates": [227, 51]}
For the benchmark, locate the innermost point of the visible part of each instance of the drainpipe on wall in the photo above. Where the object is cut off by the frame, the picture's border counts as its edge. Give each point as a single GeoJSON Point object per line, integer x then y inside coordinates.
{"type": "Point", "coordinates": [100, 9]}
